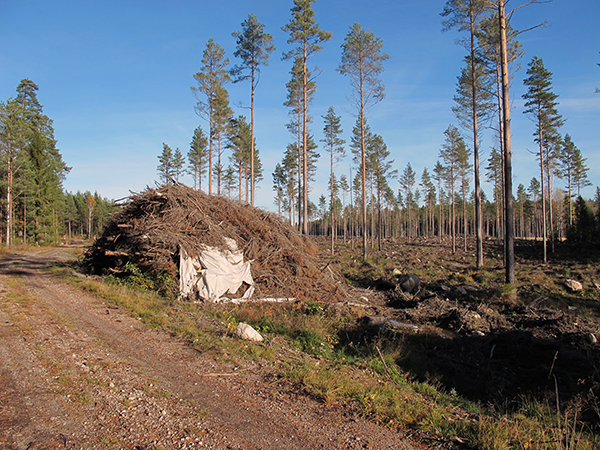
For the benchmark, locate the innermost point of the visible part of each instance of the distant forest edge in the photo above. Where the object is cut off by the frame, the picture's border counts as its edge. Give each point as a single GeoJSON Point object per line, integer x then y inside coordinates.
{"type": "Point", "coordinates": [35, 208]}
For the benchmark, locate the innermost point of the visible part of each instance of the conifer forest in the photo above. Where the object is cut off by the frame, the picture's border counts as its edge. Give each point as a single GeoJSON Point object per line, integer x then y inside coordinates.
{"type": "Point", "coordinates": [409, 281]}
{"type": "Point", "coordinates": [377, 198]}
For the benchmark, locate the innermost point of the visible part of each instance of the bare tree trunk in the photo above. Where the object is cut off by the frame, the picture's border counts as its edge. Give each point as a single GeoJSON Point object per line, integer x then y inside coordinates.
{"type": "Point", "coordinates": [305, 143]}
{"type": "Point", "coordinates": [509, 228]}
{"type": "Point", "coordinates": [544, 215]}
{"type": "Point", "coordinates": [252, 139]}
{"type": "Point", "coordinates": [9, 216]}
{"type": "Point", "coordinates": [478, 223]}
{"type": "Point", "coordinates": [332, 208]}
{"type": "Point", "coordinates": [364, 175]}
{"type": "Point", "coordinates": [549, 178]}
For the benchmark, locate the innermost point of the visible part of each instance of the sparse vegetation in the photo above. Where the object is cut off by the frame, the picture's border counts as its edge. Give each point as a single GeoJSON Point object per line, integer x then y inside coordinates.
{"type": "Point", "coordinates": [389, 376]}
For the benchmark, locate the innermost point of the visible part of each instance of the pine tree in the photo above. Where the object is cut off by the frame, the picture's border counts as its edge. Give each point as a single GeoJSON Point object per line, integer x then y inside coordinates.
{"type": "Point", "coordinates": [534, 190]}
{"type": "Point", "coordinates": [334, 145]}
{"type": "Point", "coordinates": [305, 32]}
{"type": "Point", "coordinates": [452, 153]}
{"type": "Point", "coordinates": [567, 168]}
{"type": "Point", "coordinates": [222, 117]}
{"type": "Point", "coordinates": [580, 170]}
{"type": "Point", "coordinates": [254, 47]}
{"type": "Point", "coordinates": [430, 200]}
{"type": "Point", "coordinates": [212, 76]}
{"type": "Point", "coordinates": [279, 183]}
{"type": "Point", "coordinates": [362, 62]}
{"type": "Point", "coordinates": [289, 165]}
{"type": "Point", "coordinates": [540, 104]}
{"type": "Point", "coordinates": [495, 176]}
{"type": "Point", "coordinates": [464, 169]}
{"type": "Point", "coordinates": [12, 136]}
{"type": "Point", "coordinates": [522, 199]}
{"type": "Point", "coordinates": [229, 180]}
{"type": "Point", "coordinates": [407, 182]}
{"type": "Point", "coordinates": [381, 169]}
{"type": "Point", "coordinates": [238, 141]}
{"type": "Point", "coordinates": [438, 175]}
{"type": "Point", "coordinates": [473, 94]}
{"type": "Point", "coordinates": [509, 230]}
{"type": "Point", "coordinates": [295, 101]}
{"type": "Point", "coordinates": [344, 188]}
{"type": "Point", "coordinates": [90, 202]}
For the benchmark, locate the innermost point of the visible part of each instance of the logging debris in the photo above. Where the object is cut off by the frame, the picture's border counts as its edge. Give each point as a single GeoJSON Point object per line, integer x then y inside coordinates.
{"type": "Point", "coordinates": [152, 226]}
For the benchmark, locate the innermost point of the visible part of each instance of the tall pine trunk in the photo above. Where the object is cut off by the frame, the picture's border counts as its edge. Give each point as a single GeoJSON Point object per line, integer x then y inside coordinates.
{"type": "Point", "coordinates": [509, 222]}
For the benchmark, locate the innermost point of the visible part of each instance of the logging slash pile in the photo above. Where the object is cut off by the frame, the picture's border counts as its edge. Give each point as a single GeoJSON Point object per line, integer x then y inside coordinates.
{"type": "Point", "coordinates": [148, 233]}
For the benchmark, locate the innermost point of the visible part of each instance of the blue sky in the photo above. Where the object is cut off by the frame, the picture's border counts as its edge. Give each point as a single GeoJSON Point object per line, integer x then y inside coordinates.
{"type": "Point", "coordinates": [115, 77]}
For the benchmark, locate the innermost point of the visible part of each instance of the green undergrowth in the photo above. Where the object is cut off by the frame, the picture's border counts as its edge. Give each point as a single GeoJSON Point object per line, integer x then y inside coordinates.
{"type": "Point", "coordinates": [322, 353]}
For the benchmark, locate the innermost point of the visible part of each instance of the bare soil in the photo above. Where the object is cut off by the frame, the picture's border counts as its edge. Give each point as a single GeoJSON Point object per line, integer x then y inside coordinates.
{"type": "Point", "coordinates": [77, 372]}
{"type": "Point", "coordinates": [464, 330]}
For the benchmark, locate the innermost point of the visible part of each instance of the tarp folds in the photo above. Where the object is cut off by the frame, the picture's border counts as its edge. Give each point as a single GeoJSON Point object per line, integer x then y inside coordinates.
{"type": "Point", "coordinates": [215, 273]}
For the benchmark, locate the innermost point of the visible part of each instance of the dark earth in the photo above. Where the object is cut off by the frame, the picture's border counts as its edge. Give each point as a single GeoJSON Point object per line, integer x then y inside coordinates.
{"type": "Point", "coordinates": [490, 344]}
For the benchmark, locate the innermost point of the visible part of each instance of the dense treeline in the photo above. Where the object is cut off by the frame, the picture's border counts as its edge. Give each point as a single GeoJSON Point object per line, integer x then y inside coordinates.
{"type": "Point", "coordinates": [85, 214]}
{"type": "Point", "coordinates": [35, 210]}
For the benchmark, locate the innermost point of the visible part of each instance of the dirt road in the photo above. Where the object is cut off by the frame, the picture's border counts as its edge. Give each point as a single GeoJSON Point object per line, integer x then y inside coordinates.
{"type": "Point", "coordinates": [76, 372]}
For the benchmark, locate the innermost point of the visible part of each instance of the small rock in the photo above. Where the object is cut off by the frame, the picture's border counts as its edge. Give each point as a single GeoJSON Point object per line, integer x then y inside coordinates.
{"type": "Point", "coordinates": [575, 286]}
{"type": "Point", "coordinates": [591, 339]}
{"type": "Point", "coordinates": [247, 333]}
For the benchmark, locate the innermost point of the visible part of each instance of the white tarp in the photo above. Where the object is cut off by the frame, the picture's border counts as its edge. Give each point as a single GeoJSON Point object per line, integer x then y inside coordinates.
{"type": "Point", "coordinates": [215, 273]}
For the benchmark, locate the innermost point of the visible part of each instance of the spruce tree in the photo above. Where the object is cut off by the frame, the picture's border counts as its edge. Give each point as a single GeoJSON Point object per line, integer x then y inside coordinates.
{"type": "Point", "coordinates": [178, 164]}
{"type": "Point", "coordinates": [38, 170]}
{"type": "Point", "coordinates": [197, 157]}
{"type": "Point", "coordinates": [165, 167]}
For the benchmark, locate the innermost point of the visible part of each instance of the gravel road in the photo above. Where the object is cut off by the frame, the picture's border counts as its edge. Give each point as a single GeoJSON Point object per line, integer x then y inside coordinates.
{"type": "Point", "coordinates": [77, 372]}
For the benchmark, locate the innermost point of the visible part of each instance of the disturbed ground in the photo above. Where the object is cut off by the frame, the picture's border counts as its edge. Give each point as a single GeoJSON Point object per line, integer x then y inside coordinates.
{"type": "Point", "coordinates": [463, 329]}
{"type": "Point", "coordinates": [77, 372]}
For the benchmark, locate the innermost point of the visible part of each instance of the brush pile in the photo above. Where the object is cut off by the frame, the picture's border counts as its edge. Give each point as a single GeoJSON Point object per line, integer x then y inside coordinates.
{"type": "Point", "coordinates": [148, 233]}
